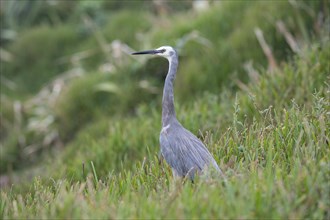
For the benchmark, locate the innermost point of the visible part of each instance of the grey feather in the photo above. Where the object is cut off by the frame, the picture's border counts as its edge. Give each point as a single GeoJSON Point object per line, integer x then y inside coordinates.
{"type": "Point", "coordinates": [184, 152]}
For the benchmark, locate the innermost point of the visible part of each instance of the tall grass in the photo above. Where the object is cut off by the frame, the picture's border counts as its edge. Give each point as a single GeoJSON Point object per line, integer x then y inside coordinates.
{"type": "Point", "coordinates": [276, 159]}
{"type": "Point", "coordinates": [211, 59]}
{"type": "Point", "coordinates": [269, 134]}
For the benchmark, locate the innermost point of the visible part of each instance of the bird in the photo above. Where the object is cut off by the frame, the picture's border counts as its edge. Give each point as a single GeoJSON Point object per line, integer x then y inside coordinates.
{"type": "Point", "coordinates": [181, 149]}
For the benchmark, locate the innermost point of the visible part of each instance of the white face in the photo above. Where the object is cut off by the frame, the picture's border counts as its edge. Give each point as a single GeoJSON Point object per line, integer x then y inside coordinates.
{"type": "Point", "coordinates": [168, 52]}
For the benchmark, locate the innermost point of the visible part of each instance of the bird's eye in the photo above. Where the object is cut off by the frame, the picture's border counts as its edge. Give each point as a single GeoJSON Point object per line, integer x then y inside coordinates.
{"type": "Point", "coordinates": [163, 50]}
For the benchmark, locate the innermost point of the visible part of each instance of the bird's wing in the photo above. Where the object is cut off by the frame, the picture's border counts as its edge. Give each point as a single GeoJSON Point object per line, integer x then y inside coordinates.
{"type": "Point", "coordinates": [171, 155]}
{"type": "Point", "coordinates": [184, 152]}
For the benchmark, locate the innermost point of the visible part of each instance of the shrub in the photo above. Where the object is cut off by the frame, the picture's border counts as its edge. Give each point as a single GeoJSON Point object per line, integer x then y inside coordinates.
{"type": "Point", "coordinates": [36, 56]}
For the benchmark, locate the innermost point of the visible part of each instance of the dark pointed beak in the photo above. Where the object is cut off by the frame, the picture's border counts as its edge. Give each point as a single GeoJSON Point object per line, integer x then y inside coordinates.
{"type": "Point", "coordinates": [147, 52]}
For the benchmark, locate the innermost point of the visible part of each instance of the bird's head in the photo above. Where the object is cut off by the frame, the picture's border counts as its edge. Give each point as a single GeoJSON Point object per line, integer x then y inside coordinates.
{"type": "Point", "coordinates": [164, 51]}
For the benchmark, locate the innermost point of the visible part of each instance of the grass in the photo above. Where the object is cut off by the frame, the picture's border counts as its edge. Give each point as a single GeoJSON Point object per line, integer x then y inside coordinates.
{"type": "Point", "coordinates": [274, 152]}
{"type": "Point", "coordinates": [270, 136]}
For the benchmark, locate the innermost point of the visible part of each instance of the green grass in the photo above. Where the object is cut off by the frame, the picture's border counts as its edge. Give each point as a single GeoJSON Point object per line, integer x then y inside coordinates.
{"type": "Point", "coordinates": [232, 43]}
{"type": "Point", "coordinates": [272, 144]}
{"type": "Point", "coordinates": [56, 42]}
{"type": "Point", "coordinates": [211, 67]}
{"type": "Point", "coordinates": [270, 137]}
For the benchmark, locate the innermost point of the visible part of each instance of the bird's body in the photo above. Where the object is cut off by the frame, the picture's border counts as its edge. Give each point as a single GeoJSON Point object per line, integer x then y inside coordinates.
{"type": "Point", "coordinates": [182, 150]}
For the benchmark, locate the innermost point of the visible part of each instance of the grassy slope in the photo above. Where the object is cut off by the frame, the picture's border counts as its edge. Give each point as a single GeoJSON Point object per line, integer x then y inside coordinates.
{"type": "Point", "coordinates": [271, 142]}
{"type": "Point", "coordinates": [232, 43]}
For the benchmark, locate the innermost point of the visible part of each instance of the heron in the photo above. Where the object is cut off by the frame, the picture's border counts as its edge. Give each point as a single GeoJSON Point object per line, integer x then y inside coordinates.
{"type": "Point", "coordinates": [182, 150]}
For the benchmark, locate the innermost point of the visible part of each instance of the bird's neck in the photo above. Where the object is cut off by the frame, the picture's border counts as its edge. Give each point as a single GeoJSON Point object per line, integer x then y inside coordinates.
{"type": "Point", "coordinates": [168, 112]}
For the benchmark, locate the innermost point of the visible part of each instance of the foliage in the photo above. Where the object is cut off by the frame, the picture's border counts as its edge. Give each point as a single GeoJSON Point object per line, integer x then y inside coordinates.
{"type": "Point", "coordinates": [18, 15]}
{"type": "Point", "coordinates": [139, 25]}
{"type": "Point", "coordinates": [277, 165]}
{"type": "Point", "coordinates": [81, 114]}
{"type": "Point", "coordinates": [209, 67]}
{"type": "Point", "coordinates": [55, 42]}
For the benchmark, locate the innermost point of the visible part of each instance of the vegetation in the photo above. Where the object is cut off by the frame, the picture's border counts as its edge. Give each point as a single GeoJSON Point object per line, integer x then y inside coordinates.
{"type": "Point", "coordinates": [86, 129]}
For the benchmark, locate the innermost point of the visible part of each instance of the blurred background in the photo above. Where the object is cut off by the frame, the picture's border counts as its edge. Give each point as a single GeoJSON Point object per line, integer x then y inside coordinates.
{"type": "Point", "coordinates": [72, 93]}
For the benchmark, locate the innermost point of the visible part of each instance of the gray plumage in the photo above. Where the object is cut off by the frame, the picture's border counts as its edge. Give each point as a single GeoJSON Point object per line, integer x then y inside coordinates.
{"type": "Point", "coordinates": [182, 150]}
